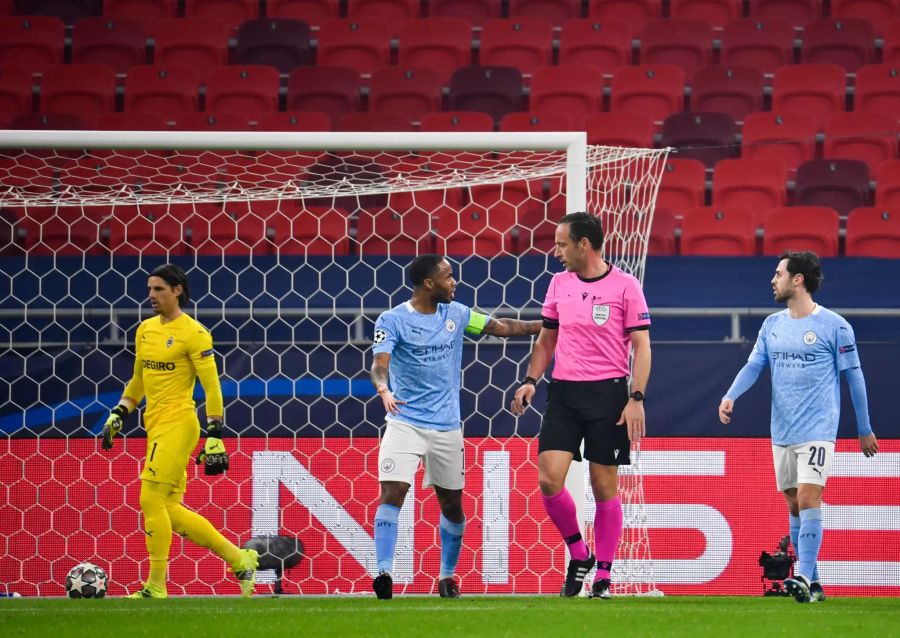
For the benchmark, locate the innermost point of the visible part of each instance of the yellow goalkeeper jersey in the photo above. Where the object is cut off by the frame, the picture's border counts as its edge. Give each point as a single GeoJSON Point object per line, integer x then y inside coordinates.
{"type": "Point", "coordinates": [168, 359]}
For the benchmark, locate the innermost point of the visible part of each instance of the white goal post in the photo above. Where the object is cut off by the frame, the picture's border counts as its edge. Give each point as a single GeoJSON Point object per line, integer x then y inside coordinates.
{"type": "Point", "coordinates": [293, 243]}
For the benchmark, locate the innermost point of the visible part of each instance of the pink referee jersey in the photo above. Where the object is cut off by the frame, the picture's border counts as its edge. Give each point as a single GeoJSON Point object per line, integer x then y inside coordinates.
{"type": "Point", "coordinates": [594, 317]}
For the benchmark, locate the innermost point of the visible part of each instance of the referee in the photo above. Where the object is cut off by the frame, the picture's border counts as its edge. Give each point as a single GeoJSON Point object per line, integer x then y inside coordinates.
{"type": "Point", "coordinates": [592, 313]}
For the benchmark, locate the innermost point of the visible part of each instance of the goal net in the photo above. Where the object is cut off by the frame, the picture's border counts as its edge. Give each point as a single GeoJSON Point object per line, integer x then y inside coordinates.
{"type": "Point", "coordinates": [293, 244]}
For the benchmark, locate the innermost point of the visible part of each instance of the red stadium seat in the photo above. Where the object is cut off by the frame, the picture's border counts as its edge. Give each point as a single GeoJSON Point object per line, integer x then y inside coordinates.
{"type": "Point", "coordinates": [46, 122]}
{"type": "Point", "coordinates": [397, 13]}
{"type": "Point", "coordinates": [873, 232]}
{"type": "Point", "coordinates": [69, 11]}
{"type": "Point", "coordinates": [146, 230]}
{"type": "Point", "coordinates": [522, 43]}
{"type": "Point", "coordinates": [795, 12]}
{"type": "Point", "coordinates": [63, 230]}
{"type": "Point", "coordinates": [198, 43]}
{"type": "Point", "coordinates": [877, 89]}
{"type": "Point", "coordinates": [869, 137]}
{"type": "Point", "coordinates": [386, 122]}
{"type": "Point", "coordinates": [15, 93]}
{"type": "Point", "coordinates": [316, 230]}
{"type": "Point", "coordinates": [848, 43]}
{"type": "Point", "coordinates": [637, 13]}
{"type": "Point", "coordinates": [887, 189]}
{"type": "Point", "coordinates": [877, 12]}
{"type": "Point", "coordinates": [249, 91]}
{"type": "Point", "coordinates": [484, 227]}
{"type": "Point", "coordinates": [719, 231]}
{"type": "Point", "coordinates": [789, 138]}
{"type": "Point", "coordinates": [294, 121]}
{"type": "Point", "coordinates": [494, 90]}
{"type": "Point", "coordinates": [620, 128]}
{"type": "Point", "coordinates": [815, 89]}
{"type": "Point", "coordinates": [331, 90]}
{"type": "Point", "coordinates": [166, 91]}
{"type": "Point", "coordinates": [812, 228]}
{"type": "Point", "coordinates": [31, 42]}
{"type": "Point", "coordinates": [119, 43]}
{"type": "Point", "coordinates": [462, 121]}
{"type": "Point", "coordinates": [210, 122]}
{"type": "Point", "coordinates": [277, 42]}
{"type": "Point", "coordinates": [657, 90]}
{"type": "Point", "coordinates": [364, 45]}
{"type": "Point", "coordinates": [403, 227]}
{"type": "Point", "coordinates": [536, 121]}
{"type": "Point", "coordinates": [129, 121]}
{"type": "Point", "coordinates": [556, 12]}
{"type": "Point", "coordinates": [441, 44]}
{"type": "Point", "coordinates": [750, 184]}
{"type": "Point", "coordinates": [412, 92]}
{"type": "Point", "coordinates": [723, 89]}
{"type": "Point", "coordinates": [662, 233]}
{"type": "Point", "coordinates": [762, 44]}
{"type": "Point", "coordinates": [684, 43]}
{"type": "Point", "coordinates": [575, 91]}
{"type": "Point", "coordinates": [148, 13]}
{"type": "Point", "coordinates": [708, 137]}
{"type": "Point", "coordinates": [604, 45]}
{"type": "Point", "coordinates": [85, 90]}
{"type": "Point", "coordinates": [716, 13]}
{"type": "Point", "coordinates": [475, 12]}
{"type": "Point", "coordinates": [840, 184]}
{"type": "Point", "coordinates": [891, 48]}
{"type": "Point", "coordinates": [232, 230]}
{"type": "Point", "coordinates": [231, 12]}
{"type": "Point", "coordinates": [683, 185]}
{"type": "Point", "coordinates": [312, 12]}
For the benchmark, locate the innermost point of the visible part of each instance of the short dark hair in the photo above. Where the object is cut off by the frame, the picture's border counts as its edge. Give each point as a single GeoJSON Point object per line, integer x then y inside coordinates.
{"type": "Point", "coordinates": [806, 263]}
{"type": "Point", "coordinates": [423, 267]}
{"type": "Point", "coordinates": [582, 225]}
{"type": "Point", "coordinates": [173, 274]}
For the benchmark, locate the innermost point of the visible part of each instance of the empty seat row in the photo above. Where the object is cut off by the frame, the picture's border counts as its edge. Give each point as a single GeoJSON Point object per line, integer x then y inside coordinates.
{"type": "Point", "coordinates": [818, 91]}
{"type": "Point", "coordinates": [720, 231]}
{"type": "Point", "coordinates": [445, 43]}
{"type": "Point", "coordinates": [757, 185]}
{"type": "Point", "coordinates": [285, 228]}
{"type": "Point", "coordinates": [636, 12]}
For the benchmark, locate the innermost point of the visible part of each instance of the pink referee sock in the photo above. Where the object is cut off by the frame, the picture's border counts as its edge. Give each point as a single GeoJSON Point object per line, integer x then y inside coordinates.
{"type": "Point", "coordinates": [561, 510]}
{"type": "Point", "coordinates": [607, 532]}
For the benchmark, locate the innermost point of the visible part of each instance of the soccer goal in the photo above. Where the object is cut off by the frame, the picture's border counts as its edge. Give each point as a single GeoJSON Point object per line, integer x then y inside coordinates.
{"type": "Point", "coordinates": [293, 244]}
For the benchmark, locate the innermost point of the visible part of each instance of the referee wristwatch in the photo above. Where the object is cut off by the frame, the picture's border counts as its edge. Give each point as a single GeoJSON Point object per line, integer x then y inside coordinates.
{"type": "Point", "coordinates": [637, 395]}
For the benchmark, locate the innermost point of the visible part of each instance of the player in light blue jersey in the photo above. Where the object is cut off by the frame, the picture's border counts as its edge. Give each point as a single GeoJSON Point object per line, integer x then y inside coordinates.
{"type": "Point", "coordinates": [417, 371]}
{"type": "Point", "coordinates": [806, 348]}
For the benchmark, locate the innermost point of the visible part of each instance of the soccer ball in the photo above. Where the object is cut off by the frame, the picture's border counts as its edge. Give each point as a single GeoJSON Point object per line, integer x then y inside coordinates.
{"type": "Point", "coordinates": [86, 580]}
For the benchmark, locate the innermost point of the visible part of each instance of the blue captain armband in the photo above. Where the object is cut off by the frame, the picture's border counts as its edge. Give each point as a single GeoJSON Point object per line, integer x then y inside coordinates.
{"type": "Point", "coordinates": [477, 322]}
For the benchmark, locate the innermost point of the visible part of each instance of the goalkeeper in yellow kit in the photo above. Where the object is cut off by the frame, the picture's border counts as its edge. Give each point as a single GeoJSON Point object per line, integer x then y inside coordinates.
{"type": "Point", "coordinates": [172, 350]}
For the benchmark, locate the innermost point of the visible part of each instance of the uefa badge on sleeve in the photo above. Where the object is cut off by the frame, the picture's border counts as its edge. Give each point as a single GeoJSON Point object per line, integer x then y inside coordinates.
{"type": "Point", "coordinates": [380, 336]}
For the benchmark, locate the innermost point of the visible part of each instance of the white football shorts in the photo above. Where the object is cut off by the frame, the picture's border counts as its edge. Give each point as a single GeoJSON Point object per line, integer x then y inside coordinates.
{"type": "Point", "coordinates": [403, 446]}
{"type": "Point", "coordinates": [802, 463]}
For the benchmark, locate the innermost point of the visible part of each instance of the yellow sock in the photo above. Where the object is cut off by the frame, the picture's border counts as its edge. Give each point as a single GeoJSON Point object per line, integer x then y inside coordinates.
{"type": "Point", "coordinates": [157, 529]}
{"type": "Point", "coordinates": [198, 530]}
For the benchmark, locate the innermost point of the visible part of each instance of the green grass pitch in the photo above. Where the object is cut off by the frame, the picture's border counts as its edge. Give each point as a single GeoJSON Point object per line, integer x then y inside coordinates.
{"type": "Point", "coordinates": [469, 617]}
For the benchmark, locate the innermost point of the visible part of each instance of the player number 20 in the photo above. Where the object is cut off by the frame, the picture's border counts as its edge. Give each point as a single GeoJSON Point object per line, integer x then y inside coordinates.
{"type": "Point", "coordinates": [817, 456]}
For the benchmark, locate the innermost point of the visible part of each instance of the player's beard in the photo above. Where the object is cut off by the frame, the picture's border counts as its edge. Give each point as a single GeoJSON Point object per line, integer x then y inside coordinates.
{"type": "Point", "coordinates": [783, 296]}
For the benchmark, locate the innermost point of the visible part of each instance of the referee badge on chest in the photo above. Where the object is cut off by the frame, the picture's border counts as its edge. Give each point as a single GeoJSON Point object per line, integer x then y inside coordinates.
{"type": "Point", "coordinates": [600, 314]}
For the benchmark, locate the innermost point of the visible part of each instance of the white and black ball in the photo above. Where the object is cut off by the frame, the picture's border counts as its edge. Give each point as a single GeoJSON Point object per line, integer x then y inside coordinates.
{"type": "Point", "coordinates": [86, 580]}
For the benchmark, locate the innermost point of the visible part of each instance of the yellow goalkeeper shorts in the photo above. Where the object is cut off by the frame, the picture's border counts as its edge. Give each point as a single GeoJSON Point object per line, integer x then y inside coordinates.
{"type": "Point", "coordinates": [169, 448]}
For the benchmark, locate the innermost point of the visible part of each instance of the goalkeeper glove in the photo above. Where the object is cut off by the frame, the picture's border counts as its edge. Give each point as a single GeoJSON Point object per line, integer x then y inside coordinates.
{"type": "Point", "coordinates": [214, 456]}
{"type": "Point", "coordinates": [113, 425]}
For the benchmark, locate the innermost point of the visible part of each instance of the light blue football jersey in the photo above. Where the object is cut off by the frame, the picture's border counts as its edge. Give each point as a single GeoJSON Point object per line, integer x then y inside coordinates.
{"type": "Point", "coordinates": [806, 357]}
{"type": "Point", "coordinates": [426, 360]}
